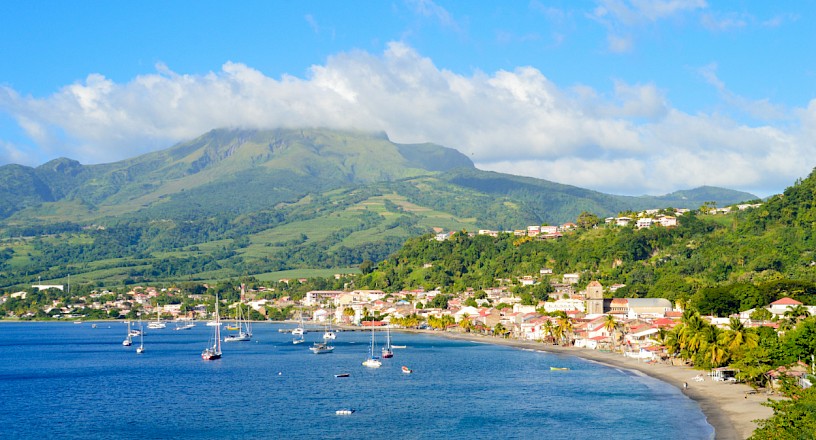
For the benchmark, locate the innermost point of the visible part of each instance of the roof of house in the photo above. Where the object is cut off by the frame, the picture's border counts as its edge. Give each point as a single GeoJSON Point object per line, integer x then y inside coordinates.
{"type": "Point", "coordinates": [786, 302]}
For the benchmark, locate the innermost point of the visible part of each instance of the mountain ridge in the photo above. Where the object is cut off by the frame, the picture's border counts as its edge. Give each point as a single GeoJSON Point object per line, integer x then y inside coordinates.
{"type": "Point", "coordinates": [235, 201]}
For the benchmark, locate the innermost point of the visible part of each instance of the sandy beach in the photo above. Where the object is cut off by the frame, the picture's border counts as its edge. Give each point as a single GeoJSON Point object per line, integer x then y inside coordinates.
{"type": "Point", "coordinates": [728, 407]}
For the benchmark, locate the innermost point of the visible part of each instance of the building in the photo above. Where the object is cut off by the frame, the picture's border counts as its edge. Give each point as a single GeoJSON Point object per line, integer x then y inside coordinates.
{"type": "Point", "coordinates": [594, 298]}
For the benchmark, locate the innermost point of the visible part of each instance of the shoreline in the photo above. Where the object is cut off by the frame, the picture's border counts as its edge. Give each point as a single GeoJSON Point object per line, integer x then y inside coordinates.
{"type": "Point", "coordinates": [727, 407]}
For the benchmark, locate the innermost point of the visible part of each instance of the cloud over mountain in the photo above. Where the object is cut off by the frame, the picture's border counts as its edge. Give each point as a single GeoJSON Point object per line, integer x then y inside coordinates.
{"type": "Point", "coordinates": [628, 141]}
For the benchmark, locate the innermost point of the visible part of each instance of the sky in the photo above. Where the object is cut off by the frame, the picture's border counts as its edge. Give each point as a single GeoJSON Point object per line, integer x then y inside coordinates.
{"type": "Point", "coordinates": [620, 96]}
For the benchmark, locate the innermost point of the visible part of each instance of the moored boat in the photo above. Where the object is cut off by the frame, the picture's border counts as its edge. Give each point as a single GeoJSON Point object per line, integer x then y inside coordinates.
{"type": "Point", "coordinates": [321, 347]}
{"type": "Point", "coordinates": [386, 351]}
{"type": "Point", "coordinates": [372, 361]}
{"type": "Point", "coordinates": [558, 368]}
{"type": "Point", "coordinates": [407, 370]}
{"type": "Point", "coordinates": [214, 352]}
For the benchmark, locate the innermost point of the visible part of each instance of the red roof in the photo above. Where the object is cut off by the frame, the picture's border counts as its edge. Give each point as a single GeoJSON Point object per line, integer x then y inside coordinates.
{"type": "Point", "coordinates": [786, 302]}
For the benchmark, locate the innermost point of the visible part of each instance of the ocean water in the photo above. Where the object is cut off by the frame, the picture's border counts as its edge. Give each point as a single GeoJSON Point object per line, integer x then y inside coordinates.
{"type": "Point", "coordinates": [68, 381]}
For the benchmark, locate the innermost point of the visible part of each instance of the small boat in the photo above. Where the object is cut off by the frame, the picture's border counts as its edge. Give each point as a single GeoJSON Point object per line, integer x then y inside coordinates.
{"type": "Point", "coordinates": [344, 412]}
{"type": "Point", "coordinates": [184, 324]}
{"type": "Point", "coordinates": [299, 331]}
{"type": "Point", "coordinates": [386, 351]}
{"type": "Point", "coordinates": [141, 348]}
{"type": "Point", "coordinates": [342, 375]}
{"type": "Point", "coordinates": [241, 324]}
{"type": "Point", "coordinates": [321, 347]}
{"type": "Point", "coordinates": [398, 346]}
{"type": "Point", "coordinates": [129, 339]}
{"type": "Point", "coordinates": [77, 322]}
{"type": "Point", "coordinates": [212, 323]}
{"type": "Point", "coordinates": [559, 368]}
{"type": "Point", "coordinates": [157, 324]}
{"type": "Point", "coordinates": [372, 361]}
{"type": "Point", "coordinates": [407, 370]}
{"type": "Point", "coordinates": [93, 325]}
{"type": "Point", "coordinates": [214, 352]}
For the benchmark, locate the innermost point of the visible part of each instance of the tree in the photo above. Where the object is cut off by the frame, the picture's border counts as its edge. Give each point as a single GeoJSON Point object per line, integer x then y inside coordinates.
{"type": "Point", "coordinates": [500, 330]}
{"type": "Point", "coordinates": [564, 326]}
{"type": "Point", "coordinates": [738, 337]}
{"type": "Point", "coordinates": [587, 220]}
{"type": "Point", "coordinates": [793, 418]}
{"type": "Point", "coordinates": [610, 324]}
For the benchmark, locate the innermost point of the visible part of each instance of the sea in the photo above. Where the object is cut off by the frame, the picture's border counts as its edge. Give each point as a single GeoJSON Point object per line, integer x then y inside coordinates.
{"type": "Point", "coordinates": [73, 381]}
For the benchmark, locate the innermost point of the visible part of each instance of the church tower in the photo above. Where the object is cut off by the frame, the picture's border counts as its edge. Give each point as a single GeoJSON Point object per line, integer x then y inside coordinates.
{"type": "Point", "coordinates": [594, 298]}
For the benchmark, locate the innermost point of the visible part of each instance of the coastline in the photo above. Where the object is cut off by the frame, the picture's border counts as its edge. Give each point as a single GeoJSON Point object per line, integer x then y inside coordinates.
{"type": "Point", "coordinates": [727, 406]}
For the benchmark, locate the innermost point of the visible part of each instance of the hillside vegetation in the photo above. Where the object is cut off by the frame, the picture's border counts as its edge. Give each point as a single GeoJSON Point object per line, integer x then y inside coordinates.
{"type": "Point", "coordinates": [250, 202]}
{"type": "Point", "coordinates": [717, 264]}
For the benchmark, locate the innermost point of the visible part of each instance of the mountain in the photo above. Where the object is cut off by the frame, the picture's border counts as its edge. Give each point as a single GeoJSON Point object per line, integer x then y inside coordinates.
{"type": "Point", "coordinates": [238, 201]}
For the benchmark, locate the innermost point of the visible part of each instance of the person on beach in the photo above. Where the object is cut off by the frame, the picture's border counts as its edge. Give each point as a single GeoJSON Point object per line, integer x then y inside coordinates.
{"type": "Point", "coordinates": [685, 385]}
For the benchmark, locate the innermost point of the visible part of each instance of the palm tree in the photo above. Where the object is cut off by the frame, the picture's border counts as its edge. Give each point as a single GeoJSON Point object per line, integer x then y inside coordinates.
{"type": "Point", "coordinates": [565, 328]}
{"type": "Point", "coordinates": [465, 323]}
{"type": "Point", "coordinates": [796, 313]}
{"type": "Point", "coordinates": [549, 329]}
{"type": "Point", "coordinates": [713, 346]}
{"type": "Point", "coordinates": [499, 329]}
{"type": "Point", "coordinates": [739, 337]}
{"type": "Point", "coordinates": [610, 324]}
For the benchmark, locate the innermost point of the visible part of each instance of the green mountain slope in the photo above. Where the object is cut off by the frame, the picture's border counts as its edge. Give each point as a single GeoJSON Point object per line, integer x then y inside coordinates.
{"type": "Point", "coordinates": [718, 264]}
{"type": "Point", "coordinates": [256, 201]}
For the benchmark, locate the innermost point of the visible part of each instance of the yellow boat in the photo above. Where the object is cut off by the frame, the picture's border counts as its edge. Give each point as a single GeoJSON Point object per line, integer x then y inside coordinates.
{"type": "Point", "coordinates": [558, 368]}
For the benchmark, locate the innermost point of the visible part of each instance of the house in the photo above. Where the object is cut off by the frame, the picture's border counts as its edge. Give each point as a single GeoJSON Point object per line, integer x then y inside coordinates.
{"type": "Point", "coordinates": [564, 305]}
{"type": "Point", "coordinates": [780, 306]}
{"type": "Point", "coordinates": [668, 221]}
{"type": "Point", "coordinates": [645, 222]}
{"type": "Point", "coordinates": [571, 278]}
{"type": "Point", "coordinates": [622, 221]}
{"type": "Point", "coordinates": [798, 371]}
{"type": "Point", "coordinates": [636, 307]}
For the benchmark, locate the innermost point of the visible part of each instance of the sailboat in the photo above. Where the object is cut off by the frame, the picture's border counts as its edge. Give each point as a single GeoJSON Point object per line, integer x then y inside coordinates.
{"type": "Point", "coordinates": [329, 334]}
{"type": "Point", "coordinates": [158, 323]}
{"type": "Point", "coordinates": [184, 324]}
{"type": "Point", "coordinates": [129, 339]}
{"type": "Point", "coordinates": [386, 351]}
{"type": "Point", "coordinates": [241, 324]}
{"type": "Point", "coordinates": [214, 352]}
{"type": "Point", "coordinates": [325, 346]}
{"type": "Point", "coordinates": [372, 361]}
{"type": "Point", "coordinates": [141, 348]}
{"type": "Point", "coordinates": [299, 331]}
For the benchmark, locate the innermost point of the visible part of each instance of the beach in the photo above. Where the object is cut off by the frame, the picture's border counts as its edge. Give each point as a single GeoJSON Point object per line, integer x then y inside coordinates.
{"type": "Point", "coordinates": [729, 407]}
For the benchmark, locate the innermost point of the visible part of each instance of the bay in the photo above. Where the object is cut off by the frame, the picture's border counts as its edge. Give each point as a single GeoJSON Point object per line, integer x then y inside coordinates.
{"type": "Point", "coordinates": [62, 380]}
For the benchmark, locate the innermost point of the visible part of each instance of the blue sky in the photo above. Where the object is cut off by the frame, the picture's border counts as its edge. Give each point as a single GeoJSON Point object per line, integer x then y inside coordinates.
{"type": "Point", "coordinates": [621, 96]}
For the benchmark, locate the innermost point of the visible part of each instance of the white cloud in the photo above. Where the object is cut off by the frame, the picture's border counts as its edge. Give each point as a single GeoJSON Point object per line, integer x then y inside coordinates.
{"type": "Point", "coordinates": [620, 17]}
{"type": "Point", "coordinates": [515, 121]}
{"type": "Point", "coordinates": [724, 22]}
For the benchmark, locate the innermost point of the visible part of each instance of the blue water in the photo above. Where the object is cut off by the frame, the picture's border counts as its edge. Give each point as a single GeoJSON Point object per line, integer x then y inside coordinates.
{"type": "Point", "coordinates": [68, 381]}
